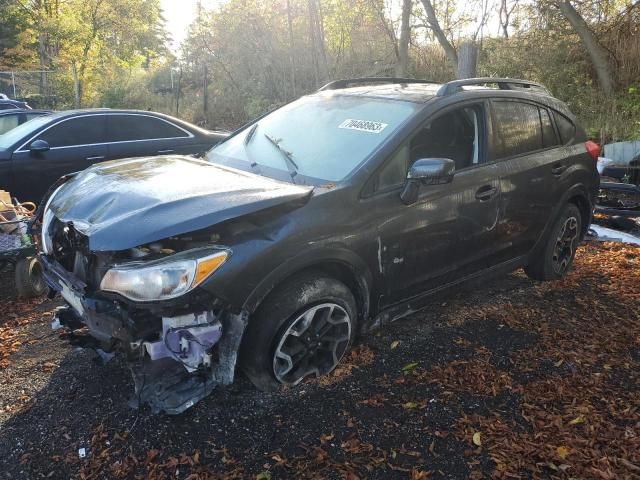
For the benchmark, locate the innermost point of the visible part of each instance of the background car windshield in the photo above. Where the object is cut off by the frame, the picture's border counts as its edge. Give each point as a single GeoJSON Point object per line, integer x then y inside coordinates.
{"type": "Point", "coordinates": [327, 136]}
{"type": "Point", "coordinates": [15, 135]}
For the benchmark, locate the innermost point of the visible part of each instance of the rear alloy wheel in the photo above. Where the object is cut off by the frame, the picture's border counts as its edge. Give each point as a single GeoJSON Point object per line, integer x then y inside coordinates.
{"type": "Point", "coordinates": [313, 344]}
{"type": "Point", "coordinates": [302, 329]}
{"type": "Point", "coordinates": [566, 244]}
{"type": "Point", "coordinates": [555, 256]}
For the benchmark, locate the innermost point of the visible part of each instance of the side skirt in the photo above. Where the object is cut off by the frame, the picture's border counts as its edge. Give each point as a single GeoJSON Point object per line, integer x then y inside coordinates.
{"type": "Point", "coordinates": [419, 302]}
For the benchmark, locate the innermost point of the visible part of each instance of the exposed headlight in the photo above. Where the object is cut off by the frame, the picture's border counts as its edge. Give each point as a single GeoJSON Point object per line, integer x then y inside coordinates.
{"type": "Point", "coordinates": [165, 278]}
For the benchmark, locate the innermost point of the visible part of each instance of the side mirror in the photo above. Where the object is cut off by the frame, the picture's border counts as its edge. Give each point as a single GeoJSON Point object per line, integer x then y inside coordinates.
{"type": "Point", "coordinates": [39, 146]}
{"type": "Point", "coordinates": [426, 171]}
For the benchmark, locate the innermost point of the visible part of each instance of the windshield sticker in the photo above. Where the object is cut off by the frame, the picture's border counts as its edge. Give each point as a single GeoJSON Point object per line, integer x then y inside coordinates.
{"type": "Point", "coordinates": [363, 125]}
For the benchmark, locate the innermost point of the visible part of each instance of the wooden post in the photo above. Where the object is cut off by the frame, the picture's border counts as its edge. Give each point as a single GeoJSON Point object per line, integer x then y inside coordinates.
{"type": "Point", "coordinates": [467, 59]}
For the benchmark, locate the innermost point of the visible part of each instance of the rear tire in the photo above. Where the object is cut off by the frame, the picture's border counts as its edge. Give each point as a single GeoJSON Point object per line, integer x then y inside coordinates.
{"type": "Point", "coordinates": [302, 328]}
{"type": "Point", "coordinates": [556, 255]}
{"type": "Point", "coordinates": [28, 275]}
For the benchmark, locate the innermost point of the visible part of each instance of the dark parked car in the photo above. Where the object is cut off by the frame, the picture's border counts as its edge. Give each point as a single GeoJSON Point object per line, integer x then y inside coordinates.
{"type": "Point", "coordinates": [10, 119]}
{"type": "Point", "coordinates": [34, 155]}
{"type": "Point", "coordinates": [8, 104]}
{"type": "Point", "coordinates": [335, 214]}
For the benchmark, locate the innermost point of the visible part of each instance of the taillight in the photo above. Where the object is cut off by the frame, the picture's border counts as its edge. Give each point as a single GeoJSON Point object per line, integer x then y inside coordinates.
{"type": "Point", "coordinates": [593, 149]}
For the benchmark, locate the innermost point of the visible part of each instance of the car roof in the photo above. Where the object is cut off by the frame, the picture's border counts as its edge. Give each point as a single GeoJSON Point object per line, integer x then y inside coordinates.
{"type": "Point", "coordinates": [87, 111]}
{"type": "Point", "coordinates": [422, 91]}
{"type": "Point", "coordinates": [409, 92]}
{"type": "Point", "coordinates": [14, 111]}
{"type": "Point", "coordinates": [57, 115]}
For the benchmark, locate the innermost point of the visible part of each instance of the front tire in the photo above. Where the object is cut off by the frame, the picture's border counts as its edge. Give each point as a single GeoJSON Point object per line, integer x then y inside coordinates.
{"type": "Point", "coordinates": [555, 257]}
{"type": "Point", "coordinates": [303, 328]}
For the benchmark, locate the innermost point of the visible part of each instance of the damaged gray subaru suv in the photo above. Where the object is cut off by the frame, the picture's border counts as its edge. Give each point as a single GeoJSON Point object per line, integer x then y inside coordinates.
{"type": "Point", "coordinates": [332, 215]}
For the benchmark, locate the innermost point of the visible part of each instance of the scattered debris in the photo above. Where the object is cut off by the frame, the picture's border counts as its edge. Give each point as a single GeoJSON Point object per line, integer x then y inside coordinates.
{"type": "Point", "coordinates": [604, 234]}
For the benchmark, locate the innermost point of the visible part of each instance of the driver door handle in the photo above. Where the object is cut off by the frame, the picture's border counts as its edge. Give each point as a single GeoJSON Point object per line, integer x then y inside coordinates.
{"type": "Point", "coordinates": [162, 152]}
{"type": "Point", "coordinates": [486, 192]}
{"type": "Point", "coordinates": [95, 159]}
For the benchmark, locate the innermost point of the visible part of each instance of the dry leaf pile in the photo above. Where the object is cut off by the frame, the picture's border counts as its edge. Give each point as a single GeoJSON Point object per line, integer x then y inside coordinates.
{"type": "Point", "coordinates": [518, 380]}
{"type": "Point", "coordinates": [14, 314]}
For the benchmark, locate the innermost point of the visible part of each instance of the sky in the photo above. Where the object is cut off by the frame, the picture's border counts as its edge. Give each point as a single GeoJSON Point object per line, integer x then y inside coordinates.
{"type": "Point", "coordinates": [179, 14]}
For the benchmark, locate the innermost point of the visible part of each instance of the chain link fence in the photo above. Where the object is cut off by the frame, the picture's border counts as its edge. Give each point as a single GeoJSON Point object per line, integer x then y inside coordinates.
{"type": "Point", "coordinates": [36, 87]}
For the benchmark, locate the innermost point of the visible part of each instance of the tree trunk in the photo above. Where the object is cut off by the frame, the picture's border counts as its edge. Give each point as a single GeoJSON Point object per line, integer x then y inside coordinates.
{"type": "Point", "coordinates": [467, 59]}
{"type": "Point", "coordinates": [77, 93]}
{"type": "Point", "coordinates": [44, 64]}
{"type": "Point", "coordinates": [205, 93]}
{"type": "Point", "coordinates": [291, 62]}
{"type": "Point", "coordinates": [599, 56]}
{"type": "Point", "coordinates": [444, 42]}
{"type": "Point", "coordinates": [405, 34]}
{"type": "Point", "coordinates": [388, 28]}
{"type": "Point", "coordinates": [318, 54]}
{"type": "Point", "coordinates": [503, 17]}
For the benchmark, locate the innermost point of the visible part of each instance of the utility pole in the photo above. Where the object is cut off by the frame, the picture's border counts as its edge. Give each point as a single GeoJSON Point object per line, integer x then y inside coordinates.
{"type": "Point", "coordinates": [205, 93]}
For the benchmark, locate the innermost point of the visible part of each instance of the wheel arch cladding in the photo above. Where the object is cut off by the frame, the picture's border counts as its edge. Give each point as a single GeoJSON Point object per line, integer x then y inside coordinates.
{"type": "Point", "coordinates": [356, 281]}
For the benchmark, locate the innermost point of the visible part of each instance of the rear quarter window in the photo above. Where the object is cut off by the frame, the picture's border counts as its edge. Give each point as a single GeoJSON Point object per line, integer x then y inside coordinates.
{"type": "Point", "coordinates": [566, 128]}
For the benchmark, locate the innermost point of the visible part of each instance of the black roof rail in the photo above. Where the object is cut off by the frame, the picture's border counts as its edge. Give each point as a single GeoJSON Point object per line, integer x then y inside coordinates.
{"type": "Point", "coordinates": [337, 84]}
{"type": "Point", "coordinates": [454, 86]}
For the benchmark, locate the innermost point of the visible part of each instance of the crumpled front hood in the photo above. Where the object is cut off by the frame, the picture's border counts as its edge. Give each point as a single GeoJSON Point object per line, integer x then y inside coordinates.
{"type": "Point", "coordinates": [127, 203]}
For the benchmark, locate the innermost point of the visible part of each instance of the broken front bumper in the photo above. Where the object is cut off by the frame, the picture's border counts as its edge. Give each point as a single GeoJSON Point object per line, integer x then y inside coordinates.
{"type": "Point", "coordinates": [176, 359]}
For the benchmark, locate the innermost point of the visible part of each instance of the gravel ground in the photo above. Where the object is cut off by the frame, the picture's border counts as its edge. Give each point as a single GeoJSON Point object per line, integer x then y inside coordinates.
{"type": "Point", "coordinates": [509, 380]}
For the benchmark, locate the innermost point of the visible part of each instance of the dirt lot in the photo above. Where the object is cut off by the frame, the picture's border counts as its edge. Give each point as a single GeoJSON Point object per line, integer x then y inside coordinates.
{"type": "Point", "coordinates": [510, 380]}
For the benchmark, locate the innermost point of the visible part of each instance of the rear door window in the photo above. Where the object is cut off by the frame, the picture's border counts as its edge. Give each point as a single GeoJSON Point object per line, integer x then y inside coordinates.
{"type": "Point", "coordinates": [76, 131]}
{"type": "Point", "coordinates": [549, 137]}
{"type": "Point", "coordinates": [517, 128]}
{"type": "Point", "coordinates": [126, 128]}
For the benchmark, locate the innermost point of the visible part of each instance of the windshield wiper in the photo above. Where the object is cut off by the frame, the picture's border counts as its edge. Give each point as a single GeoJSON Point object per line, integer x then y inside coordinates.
{"type": "Point", "coordinates": [250, 133]}
{"type": "Point", "coordinates": [292, 167]}
{"type": "Point", "coordinates": [246, 141]}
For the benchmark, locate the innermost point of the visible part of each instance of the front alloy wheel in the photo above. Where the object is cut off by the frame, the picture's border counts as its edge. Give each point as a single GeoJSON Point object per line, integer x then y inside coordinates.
{"type": "Point", "coordinates": [313, 344]}
{"type": "Point", "coordinates": [304, 327]}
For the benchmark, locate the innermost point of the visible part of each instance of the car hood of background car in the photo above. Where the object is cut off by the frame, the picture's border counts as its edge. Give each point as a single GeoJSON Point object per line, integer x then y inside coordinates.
{"type": "Point", "coordinates": [127, 203]}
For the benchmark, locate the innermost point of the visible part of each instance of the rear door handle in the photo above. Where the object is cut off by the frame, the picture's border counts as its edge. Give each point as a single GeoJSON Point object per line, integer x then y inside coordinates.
{"type": "Point", "coordinates": [558, 168]}
{"type": "Point", "coordinates": [486, 192]}
{"type": "Point", "coordinates": [162, 152]}
{"type": "Point", "coordinates": [95, 159]}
